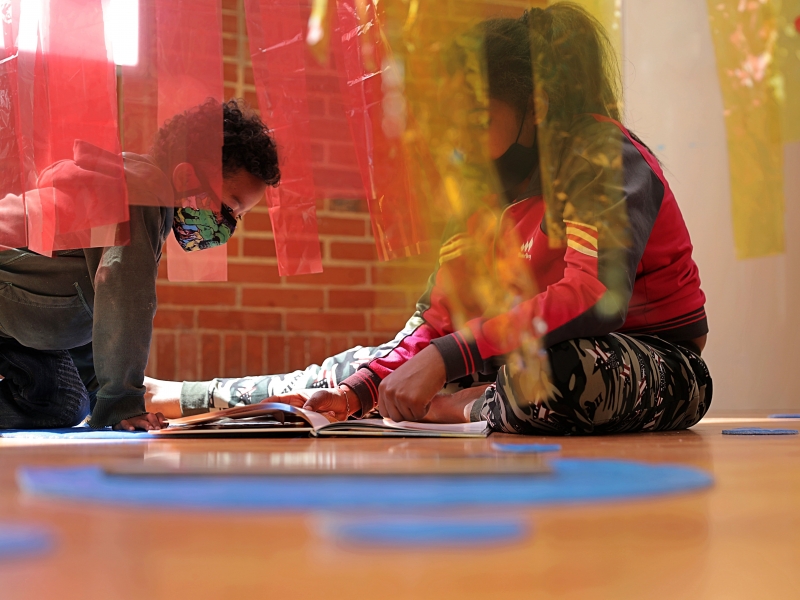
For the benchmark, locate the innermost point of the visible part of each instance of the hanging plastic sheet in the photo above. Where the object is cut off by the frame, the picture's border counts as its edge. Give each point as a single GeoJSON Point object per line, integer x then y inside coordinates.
{"type": "Point", "coordinates": [189, 65]}
{"type": "Point", "coordinates": [375, 102]}
{"type": "Point", "coordinates": [745, 36]}
{"type": "Point", "coordinates": [139, 84]}
{"type": "Point", "coordinates": [277, 32]}
{"type": "Point", "coordinates": [59, 87]}
{"type": "Point", "coordinates": [787, 81]}
{"type": "Point", "coordinates": [78, 154]}
{"type": "Point", "coordinates": [13, 230]}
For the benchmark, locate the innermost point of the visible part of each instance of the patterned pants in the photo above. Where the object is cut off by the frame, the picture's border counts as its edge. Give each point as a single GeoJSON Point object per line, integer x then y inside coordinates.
{"type": "Point", "coordinates": [611, 384]}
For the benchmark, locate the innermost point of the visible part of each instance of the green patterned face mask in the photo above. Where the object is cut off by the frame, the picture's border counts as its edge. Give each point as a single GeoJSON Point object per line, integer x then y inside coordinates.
{"type": "Point", "coordinates": [198, 229]}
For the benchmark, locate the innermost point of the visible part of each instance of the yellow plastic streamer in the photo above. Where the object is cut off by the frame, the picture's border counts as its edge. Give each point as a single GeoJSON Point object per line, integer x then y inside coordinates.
{"type": "Point", "coordinates": [788, 72]}
{"type": "Point", "coordinates": [745, 35]}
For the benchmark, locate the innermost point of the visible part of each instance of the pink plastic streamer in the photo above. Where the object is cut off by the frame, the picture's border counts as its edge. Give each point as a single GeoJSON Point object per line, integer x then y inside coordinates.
{"type": "Point", "coordinates": [373, 101]}
{"type": "Point", "coordinates": [276, 30]}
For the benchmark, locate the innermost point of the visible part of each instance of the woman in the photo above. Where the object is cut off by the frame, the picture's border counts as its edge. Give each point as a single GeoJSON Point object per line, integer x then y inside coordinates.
{"type": "Point", "coordinates": [618, 306]}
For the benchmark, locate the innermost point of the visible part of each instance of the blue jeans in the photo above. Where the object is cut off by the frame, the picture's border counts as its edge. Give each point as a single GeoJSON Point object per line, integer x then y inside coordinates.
{"type": "Point", "coordinates": [41, 388]}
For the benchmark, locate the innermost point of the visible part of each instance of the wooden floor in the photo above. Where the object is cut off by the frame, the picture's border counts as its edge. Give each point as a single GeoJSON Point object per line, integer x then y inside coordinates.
{"type": "Point", "coordinates": [740, 539]}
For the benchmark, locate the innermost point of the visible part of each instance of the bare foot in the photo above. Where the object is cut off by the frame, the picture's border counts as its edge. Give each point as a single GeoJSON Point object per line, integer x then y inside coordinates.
{"type": "Point", "coordinates": [453, 408]}
{"type": "Point", "coordinates": [163, 396]}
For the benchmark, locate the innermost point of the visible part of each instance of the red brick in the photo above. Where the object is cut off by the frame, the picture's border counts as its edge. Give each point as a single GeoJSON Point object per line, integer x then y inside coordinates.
{"type": "Point", "coordinates": [188, 367]}
{"type": "Point", "coordinates": [338, 343]}
{"type": "Point", "coordinates": [276, 354]}
{"type": "Point", "coordinates": [335, 130]}
{"type": "Point", "coordinates": [196, 295]}
{"type": "Point", "coordinates": [229, 92]}
{"type": "Point", "coordinates": [366, 299]}
{"type": "Point", "coordinates": [239, 320]}
{"type": "Point", "coordinates": [173, 319]}
{"type": "Point", "coordinates": [259, 247]}
{"type": "Point", "coordinates": [343, 154]}
{"type": "Point", "coordinates": [165, 355]}
{"type": "Point", "coordinates": [230, 72]}
{"type": "Point", "coordinates": [230, 4]}
{"type": "Point", "coordinates": [230, 47]}
{"type": "Point", "coordinates": [332, 276]}
{"type": "Point", "coordinates": [249, 78]}
{"type": "Point", "coordinates": [353, 205]}
{"type": "Point", "coordinates": [400, 276]}
{"type": "Point", "coordinates": [316, 107]}
{"type": "Point", "coordinates": [234, 363]}
{"type": "Point", "coordinates": [337, 178]}
{"type": "Point", "coordinates": [281, 297]}
{"type": "Point", "coordinates": [317, 350]}
{"type": "Point", "coordinates": [234, 246]}
{"type": "Point", "coordinates": [389, 321]}
{"type": "Point", "coordinates": [257, 221]}
{"type": "Point", "coordinates": [249, 273]}
{"type": "Point", "coordinates": [254, 362]}
{"type": "Point", "coordinates": [230, 24]}
{"type": "Point", "coordinates": [251, 98]}
{"type": "Point", "coordinates": [353, 251]}
{"type": "Point", "coordinates": [324, 322]}
{"type": "Point", "coordinates": [317, 153]}
{"type": "Point", "coordinates": [327, 84]}
{"type": "Point", "coordinates": [361, 340]}
{"type": "Point", "coordinates": [211, 356]}
{"type": "Point", "coordinates": [297, 354]}
{"type": "Point", "coordinates": [340, 226]}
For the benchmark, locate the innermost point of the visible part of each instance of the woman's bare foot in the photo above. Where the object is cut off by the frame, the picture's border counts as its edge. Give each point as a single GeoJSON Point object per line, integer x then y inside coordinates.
{"type": "Point", "coordinates": [163, 396]}
{"type": "Point", "coordinates": [453, 408]}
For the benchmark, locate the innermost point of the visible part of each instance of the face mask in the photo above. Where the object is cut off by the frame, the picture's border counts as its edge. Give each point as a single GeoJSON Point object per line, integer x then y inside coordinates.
{"type": "Point", "coordinates": [516, 163]}
{"type": "Point", "coordinates": [201, 228]}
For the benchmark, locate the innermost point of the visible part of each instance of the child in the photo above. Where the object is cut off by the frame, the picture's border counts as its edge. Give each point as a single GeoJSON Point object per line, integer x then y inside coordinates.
{"type": "Point", "coordinates": [75, 329]}
{"type": "Point", "coordinates": [619, 308]}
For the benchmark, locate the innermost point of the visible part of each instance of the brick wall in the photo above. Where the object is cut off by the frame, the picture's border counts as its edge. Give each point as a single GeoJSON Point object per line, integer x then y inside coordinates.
{"type": "Point", "coordinates": [258, 322]}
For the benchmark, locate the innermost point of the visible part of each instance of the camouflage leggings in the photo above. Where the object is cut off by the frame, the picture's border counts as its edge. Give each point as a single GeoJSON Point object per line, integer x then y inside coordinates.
{"type": "Point", "coordinates": [612, 384]}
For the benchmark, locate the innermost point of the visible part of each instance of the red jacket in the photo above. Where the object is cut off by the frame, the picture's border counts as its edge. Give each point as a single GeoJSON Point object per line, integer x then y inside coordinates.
{"type": "Point", "coordinates": [626, 266]}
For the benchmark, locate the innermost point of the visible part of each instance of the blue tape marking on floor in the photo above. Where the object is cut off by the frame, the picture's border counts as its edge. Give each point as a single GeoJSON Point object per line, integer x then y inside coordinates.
{"type": "Point", "coordinates": [572, 481]}
{"type": "Point", "coordinates": [426, 531]}
{"type": "Point", "coordinates": [758, 431]}
{"type": "Point", "coordinates": [74, 433]}
{"type": "Point", "coordinates": [19, 540]}
{"type": "Point", "coordinates": [785, 416]}
{"type": "Point", "coordinates": [526, 448]}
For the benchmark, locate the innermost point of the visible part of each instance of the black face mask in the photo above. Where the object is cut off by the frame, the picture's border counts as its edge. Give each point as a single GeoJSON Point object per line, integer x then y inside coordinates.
{"type": "Point", "coordinates": [516, 163]}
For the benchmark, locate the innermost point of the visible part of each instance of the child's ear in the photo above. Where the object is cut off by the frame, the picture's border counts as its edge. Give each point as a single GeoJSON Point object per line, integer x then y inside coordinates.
{"type": "Point", "coordinates": [184, 178]}
{"type": "Point", "coordinates": [540, 106]}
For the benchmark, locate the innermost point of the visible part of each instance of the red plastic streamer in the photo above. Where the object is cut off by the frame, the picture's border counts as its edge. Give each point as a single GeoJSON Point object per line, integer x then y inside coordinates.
{"type": "Point", "coordinates": [374, 104]}
{"type": "Point", "coordinates": [75, 117]}
{"type": "Point", "coordinates": [189, 60]}
{"type": "Point", "coordinates": [276, 30]}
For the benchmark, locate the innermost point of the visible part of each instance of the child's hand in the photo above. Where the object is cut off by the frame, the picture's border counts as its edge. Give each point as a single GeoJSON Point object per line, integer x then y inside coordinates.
{"type": "Point", "coordinates": [330, 402]}
{"type": "Point", "coordinates": [145, 422]}
{"type": "Point", "coordinates": [406, 394]}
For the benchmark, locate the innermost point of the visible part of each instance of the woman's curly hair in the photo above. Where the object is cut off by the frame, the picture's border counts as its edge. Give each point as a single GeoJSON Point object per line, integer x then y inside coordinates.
{"type": "Point", "coordinates": [192, 135]}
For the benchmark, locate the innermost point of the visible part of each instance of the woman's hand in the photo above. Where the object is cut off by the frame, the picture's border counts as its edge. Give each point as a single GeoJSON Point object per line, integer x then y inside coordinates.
{"type": "Point", "coordinates": [146, 422]}
{"type": "Point", "coordinates": [406, 394]}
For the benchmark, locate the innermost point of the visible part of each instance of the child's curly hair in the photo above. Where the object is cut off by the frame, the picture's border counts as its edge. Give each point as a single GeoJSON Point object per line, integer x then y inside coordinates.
{"type": "Point", "coordinates": [246, 143]}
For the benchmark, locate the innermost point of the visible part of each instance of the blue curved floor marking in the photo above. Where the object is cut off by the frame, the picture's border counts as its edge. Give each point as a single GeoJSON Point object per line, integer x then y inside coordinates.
{"type": "Point", "coordinates": [17, 541]}
{"type": "Point", "coordinates": [426, 531]}
{"type": "Point", "coordinates": [572, 481]}
{"type": "Point", "coordinates": [758, 431]}
{"type": "Point", "coordinates": [785, 416]}
{"type": "Point", "coordinates": [526, 448]}
{"type": "Point", "coordinates": [75, 433]}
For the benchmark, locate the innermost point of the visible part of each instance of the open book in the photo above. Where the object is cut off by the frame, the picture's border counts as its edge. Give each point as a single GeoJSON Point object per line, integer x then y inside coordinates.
{"type": "Point", "coordinates": [275, 418]}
